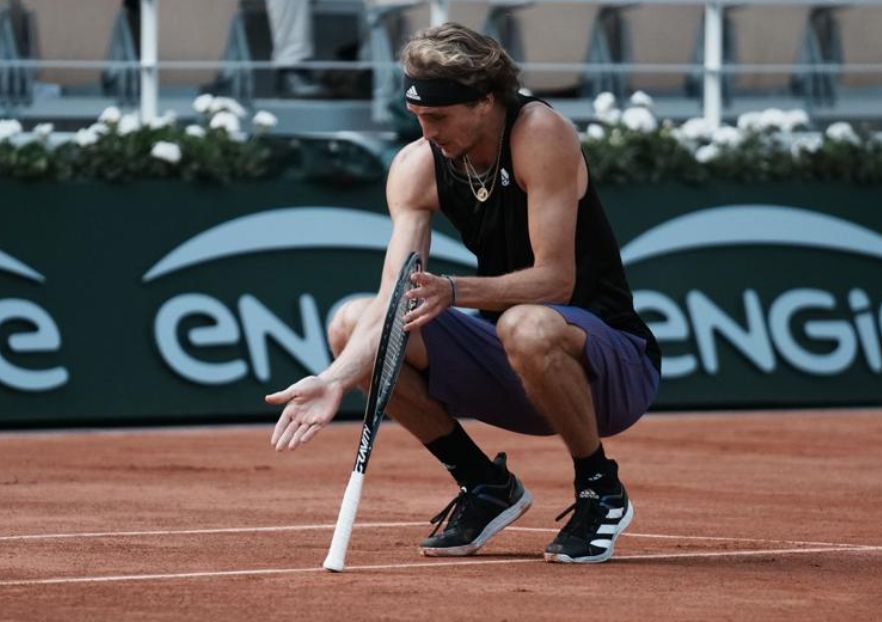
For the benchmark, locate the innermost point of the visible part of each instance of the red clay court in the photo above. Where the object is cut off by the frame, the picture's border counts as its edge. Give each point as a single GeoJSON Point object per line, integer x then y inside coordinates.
{"type": "Point", "coordinates": [740, 516]}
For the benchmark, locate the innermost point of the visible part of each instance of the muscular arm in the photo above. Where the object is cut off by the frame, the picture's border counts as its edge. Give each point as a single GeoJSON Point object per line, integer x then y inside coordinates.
{"type": "Point", "coordinates": [409, 191]}
{"type": "Point", "coordinates": [549, 166]}
{"type": "Point", "coordinates": [312, 402]}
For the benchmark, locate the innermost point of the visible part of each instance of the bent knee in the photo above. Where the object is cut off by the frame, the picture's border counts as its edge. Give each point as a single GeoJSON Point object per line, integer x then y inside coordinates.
{"type": "Point", "coordinates": [343, 323]}
{"type": "Point", "coordinates": [531, 330]}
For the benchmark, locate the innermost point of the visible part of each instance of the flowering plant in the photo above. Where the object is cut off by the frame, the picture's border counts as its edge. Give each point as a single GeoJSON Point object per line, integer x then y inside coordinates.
{"type": "Point", "coordinates": [120, 147]}
{"type": "Point", "coordinates": [632, 146]}
{"type": "Point", "coordinates": [623, 146]}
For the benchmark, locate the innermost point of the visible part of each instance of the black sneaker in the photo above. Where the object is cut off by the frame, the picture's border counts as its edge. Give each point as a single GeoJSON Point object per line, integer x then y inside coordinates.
{"type": "Point", "coordinates": [477, 515]}
{"type": "Point", "coordinates": [590, 535]}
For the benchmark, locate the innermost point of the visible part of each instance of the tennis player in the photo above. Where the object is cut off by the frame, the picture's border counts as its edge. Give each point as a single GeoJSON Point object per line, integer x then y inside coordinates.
{"type": "Point", "coordinates": [556, 348]}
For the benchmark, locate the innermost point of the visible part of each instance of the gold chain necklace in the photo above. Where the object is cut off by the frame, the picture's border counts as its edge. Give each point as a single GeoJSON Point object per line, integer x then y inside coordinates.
{"type": "Point", "coordinates": [483, 193]}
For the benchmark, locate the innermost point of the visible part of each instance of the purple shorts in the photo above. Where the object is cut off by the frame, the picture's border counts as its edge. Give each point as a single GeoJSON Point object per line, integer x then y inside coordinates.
{"type": "Point", "coordinates": [470, 374]}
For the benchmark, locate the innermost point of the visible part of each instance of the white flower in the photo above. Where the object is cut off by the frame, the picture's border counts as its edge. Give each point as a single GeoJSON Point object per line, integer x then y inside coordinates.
{"type": "Point", "coordinates": [170, 152]}
{"type": "Point", "coordinates": [99, 128]}
{"type": "Point", "coordinates": [805, 143]}
{"type": "Point", "coordinates": [603, 103]}
{"type": "Point", "coordinates": [697, 128]}
{"type": "Point", "coordinates": [43, 131]}
{"type": "Point", "coordinates": [168, 119]}
{"type": "Point", "coordinates": [795, 118]}
{"type": "Point", "coordinates": [84, 138]}
{"type": "Point", "coordinates": [639, 98]}
{"type": "Point", "coordinates": [202, 104]}
{"type": "Point", "coordinates": [707, 153]}
{"type": "Point", "coordinates": [128, 123]}
{"type": "Point", "coordinates": [196, 131]}
{"type": "Point", "coordinates": [772, 119]}
{"type": "Point", "coordinates": [595, 132]}
{"type": "Point", "coordinates": [727, 136]}
{"type": "Point", "coordinates": [842, 132]}
{"type": "Point", "coordinates": [264, 120]}
{"type": "Point", "coordinates": [611, 116]}
{"type": "Point", "coordinates": [9, 128]}
{"type": "Point", "coordinates": [226, 121]}
{"type": "Point", "coordinates": [677, 134]}
{"type": "Point", "coordinates": [750, 121]}
{"type": "Point", "coordinates": [111, 115]}
{"type": "Point", "coordinates": [639, 119]}
{"type": "Point", "coordinates": [228, 104]}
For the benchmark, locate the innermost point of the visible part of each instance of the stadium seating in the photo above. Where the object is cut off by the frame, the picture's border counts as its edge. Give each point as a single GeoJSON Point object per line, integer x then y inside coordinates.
{"type": "Point", "coordinates": [558, 31]}
{"type": "Point", "coordinates": [861, 31]}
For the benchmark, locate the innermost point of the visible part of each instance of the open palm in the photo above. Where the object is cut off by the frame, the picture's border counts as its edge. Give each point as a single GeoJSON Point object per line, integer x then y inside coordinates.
{"type": "Point", "coordinates": [309, 405]}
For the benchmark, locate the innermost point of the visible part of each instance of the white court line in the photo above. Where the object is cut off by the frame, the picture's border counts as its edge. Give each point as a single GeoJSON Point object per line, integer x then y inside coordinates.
{"type": "Point", "coordinates": [316, 527]}
{"type": "Point", "coordinates": [712, 538]}
{"type": "Point", "coordinates": [178, 532]}
{"type": "Point", "coordinates": [405, 566]}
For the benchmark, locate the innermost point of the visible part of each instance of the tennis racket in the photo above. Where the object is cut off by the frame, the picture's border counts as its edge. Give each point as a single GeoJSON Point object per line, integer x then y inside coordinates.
{"type": "Point", "coordinates": [387, 365]}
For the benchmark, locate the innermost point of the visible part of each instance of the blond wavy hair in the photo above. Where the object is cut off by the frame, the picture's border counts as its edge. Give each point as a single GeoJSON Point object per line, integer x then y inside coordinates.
{"type": "Point", "coordinates": [454, 52]}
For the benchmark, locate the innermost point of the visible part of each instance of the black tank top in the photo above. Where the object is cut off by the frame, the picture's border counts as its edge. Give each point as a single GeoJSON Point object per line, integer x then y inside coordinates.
{"type": "Point", "coordinates": [497, 233]}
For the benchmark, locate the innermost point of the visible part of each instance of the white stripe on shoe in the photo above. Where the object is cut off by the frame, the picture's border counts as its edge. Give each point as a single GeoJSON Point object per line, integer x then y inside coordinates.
{"type": "Point", "coordinates": [618, 528]}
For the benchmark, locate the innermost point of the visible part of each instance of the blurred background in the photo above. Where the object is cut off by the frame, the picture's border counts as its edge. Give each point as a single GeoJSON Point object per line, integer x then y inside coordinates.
{"type": "Point", "coordinates": [330, 64]}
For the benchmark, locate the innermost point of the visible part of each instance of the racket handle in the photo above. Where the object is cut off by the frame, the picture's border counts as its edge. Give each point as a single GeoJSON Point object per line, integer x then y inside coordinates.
{"type": "Point", "coordinates": [340, 542]}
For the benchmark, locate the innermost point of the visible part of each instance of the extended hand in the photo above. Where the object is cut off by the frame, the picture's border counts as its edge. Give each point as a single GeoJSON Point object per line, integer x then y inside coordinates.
{"type": "Point", "coordinates": [310, 404]}
{"type": "Point", "coordinates": [435, 295]}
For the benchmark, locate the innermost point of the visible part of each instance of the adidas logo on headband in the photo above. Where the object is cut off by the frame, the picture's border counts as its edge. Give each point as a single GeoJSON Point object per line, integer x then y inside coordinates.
{"type": "Point", "coordinates": [438, 92]}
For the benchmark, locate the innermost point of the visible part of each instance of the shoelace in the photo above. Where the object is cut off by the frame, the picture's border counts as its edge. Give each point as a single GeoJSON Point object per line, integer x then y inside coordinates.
{"type": "Point", "coordinates": [590, 509]}
{"type": "Point", "coordinates": [456, 506]}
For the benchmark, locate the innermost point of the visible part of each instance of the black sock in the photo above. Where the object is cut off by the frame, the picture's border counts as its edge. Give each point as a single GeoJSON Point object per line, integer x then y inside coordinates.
{"type": "Point", "coordinates": [466, 462]}
{"type": "Point", "coordinates": [596, 472]}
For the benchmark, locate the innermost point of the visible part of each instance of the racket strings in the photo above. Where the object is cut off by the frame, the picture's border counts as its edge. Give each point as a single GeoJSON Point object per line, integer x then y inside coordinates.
{"type": "Point", "coordinates": [397, 343]}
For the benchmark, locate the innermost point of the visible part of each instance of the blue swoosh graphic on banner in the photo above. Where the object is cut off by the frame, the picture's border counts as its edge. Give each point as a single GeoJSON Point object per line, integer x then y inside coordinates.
{"type": "Point", "coordinates": [743, 225]}
{"type": "Point", "coordinates": [297, 228]}
{"type": "Point", "coordinates": [9, 263]}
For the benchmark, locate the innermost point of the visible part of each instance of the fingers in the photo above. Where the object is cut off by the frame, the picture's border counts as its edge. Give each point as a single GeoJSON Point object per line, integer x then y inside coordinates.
{"type": "Point", "coordinates": [421, 316]}
{"type": "Point", "coordinates": [303, 434]}
{"type": "Point", "coordinates": [425, 285]}
{"type": "Point", "coordinates": [287, 433]}
{"type": "Point", "coordinates": [281, 426]}
{"type": "Point", "coordinates": [296, 433]}
{"type": "Point", "coordinates": [433, 292]}
{"type": "Point", "coordinates": [294, 428]}
{"type": "Point", "coordinates": [281, 397]}
{"type": "Point", "coordinates": [312, 431]}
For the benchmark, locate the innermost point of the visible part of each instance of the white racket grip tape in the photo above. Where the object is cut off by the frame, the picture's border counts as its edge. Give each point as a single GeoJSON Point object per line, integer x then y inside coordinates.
{"type": "Point", "coordinates": [336, 558]}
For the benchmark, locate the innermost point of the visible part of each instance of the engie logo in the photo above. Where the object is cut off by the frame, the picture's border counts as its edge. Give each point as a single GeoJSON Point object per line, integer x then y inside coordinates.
{"type": "Point", "coordinates": [43, 337]}
{"type": "Point", "coordinates": [850, 328]}
{"type": "Point", "coordinates": [251, 320]}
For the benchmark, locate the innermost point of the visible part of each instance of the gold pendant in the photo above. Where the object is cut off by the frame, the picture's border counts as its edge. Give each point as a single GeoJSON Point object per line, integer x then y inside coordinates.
{"type": "Point", "coordinates": [482, 194]}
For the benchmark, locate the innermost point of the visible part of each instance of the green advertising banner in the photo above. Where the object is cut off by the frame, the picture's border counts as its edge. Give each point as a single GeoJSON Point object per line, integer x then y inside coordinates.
{"type": "Point", "coordinates": [172, 301]}
{"type": "Point", "coordinates": [765, 295]}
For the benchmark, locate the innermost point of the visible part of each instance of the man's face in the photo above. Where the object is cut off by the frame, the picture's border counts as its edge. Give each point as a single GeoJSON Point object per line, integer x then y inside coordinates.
{"type": "Point", "coordinates": [453, 129]}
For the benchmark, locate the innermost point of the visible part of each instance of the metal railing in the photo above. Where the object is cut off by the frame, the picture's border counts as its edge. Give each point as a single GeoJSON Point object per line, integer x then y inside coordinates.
{"type": "Point", "coordinates": [713, 70]}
